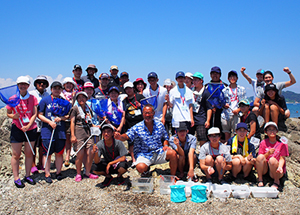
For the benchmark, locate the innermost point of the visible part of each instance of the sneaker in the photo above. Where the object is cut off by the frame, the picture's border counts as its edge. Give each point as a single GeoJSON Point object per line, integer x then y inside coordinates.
{"type": "Point", "coordinates": [48, 179]}
{"type": "Point", "coordinates": [106, 182]}
{"type": "Point", "coordinates": [59, 176]}
{"type": "Point", "coordinates": [91, 176]}
{"type": "Point", "coordinates": [222, 181]}
{"type": "Point", "coordinates": [120, 180]}
{"type": "Point", "coordinates": [78, 178]}
{"type": "Point", "coordinates": [29, 180]}
{"type": "Point", "coordinates": [34, 170]}
{"type": "Point", "coordinates": [19, 183]}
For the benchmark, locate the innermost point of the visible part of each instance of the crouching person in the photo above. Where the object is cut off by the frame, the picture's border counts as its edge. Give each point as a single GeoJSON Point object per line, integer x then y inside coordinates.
{"type": "Point", "coordinates": [271, 156]}
{"type": "Point", "coordinates": [242, 151]}
{"type": "Point", "coordinates": [114, 161]}
{"type": "Point", "coordinates": [214, 157]}
{"type": "Point", "coordinates": [185, 144]}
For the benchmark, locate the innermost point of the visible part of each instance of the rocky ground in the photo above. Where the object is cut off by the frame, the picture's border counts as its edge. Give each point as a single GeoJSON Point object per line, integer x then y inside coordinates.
{"type": "Point", "coordinates": [67, 196]}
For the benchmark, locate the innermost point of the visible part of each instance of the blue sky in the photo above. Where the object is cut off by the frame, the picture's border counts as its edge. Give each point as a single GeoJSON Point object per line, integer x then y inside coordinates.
{"type": "Point", "coordinates": [49, 37]}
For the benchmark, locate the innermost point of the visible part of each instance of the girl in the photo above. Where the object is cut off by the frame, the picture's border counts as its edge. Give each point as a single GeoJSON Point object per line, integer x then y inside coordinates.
{"type": "Point", "coordinates": [271, 158]}
{"type": "Point", "coordinates": [81, 121]}
{"type": "Point", "coordinates": [23, 116]}
{"type": "Point", "coordinates": [139, 85]}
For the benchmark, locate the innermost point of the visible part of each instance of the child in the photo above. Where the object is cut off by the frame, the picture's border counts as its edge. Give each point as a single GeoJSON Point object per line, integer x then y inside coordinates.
{"type": "Point", "coordinates": [51, 121]}
{"type": "Point", "coordinates": [242, 151]}
{"type": "Point", "coordinates": [139, 85]}
{"type": "Point", "coordinates": [114, 161]}
{"type": "Point", "coordinates": [81, 122]}
{"type": "Point", "coordinates": [271, 156]}
{"type": "Point", "coordinates": [23, 116]}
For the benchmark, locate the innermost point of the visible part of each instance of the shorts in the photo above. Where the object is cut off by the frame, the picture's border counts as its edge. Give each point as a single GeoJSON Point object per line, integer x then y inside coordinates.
{"type": "Point", "coordinates": [18, 136]}
{"type": "Point", "coordinates": [101, 167]}
{"type": "Point", "coordinates": [228, 126]}
{"type": "Point", "coordinates": [161, 158]}
{"type": "Point", "coordinates": [57, 146]}
{"type": "Point", "coordinates": [80, 142]}
{"type": "Point", "coordinates": [68, 128]}
{"type": "Point", "coordinates": [38, 139]}
{"type": "Point", "coordinates": [201, 132]}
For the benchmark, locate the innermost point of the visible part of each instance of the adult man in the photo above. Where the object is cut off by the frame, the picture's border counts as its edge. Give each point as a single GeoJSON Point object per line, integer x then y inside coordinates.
{"type": "Point", "coordinates": [159, 93]}
{"type": "Point", "coordinates": [124, 77]}
{"type": "Point", "coordinates": [91, 70]}
{"type": "Point", "coordinates": [77, 72]}
{"type": "Point", "coordinates": [101, 92]}
{"type": "Point", "coordinates": [259, 82]}
{"type": "Point", "coordinates": [185, 145]}
{"type": "Point", "coordinates": [148, 148]}
{"type": "Point", "coordinates": [181, 100]}
{"type": "Point", "coordinates": [114, 78]}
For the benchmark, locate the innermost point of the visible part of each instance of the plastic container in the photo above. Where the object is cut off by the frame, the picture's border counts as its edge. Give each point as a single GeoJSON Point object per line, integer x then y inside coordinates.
{"type": "Point", "coordinates": [188, 185]}
{"type": "Point", "coordinates": [240, 192]}
{"type": "Point", "coordinates": [142, 185]}
{"type": "Point", "coordinates": [199, 193]}
{"type": "Point", "coordinates": [178, 193]}
{"type": "Point", "coordinates": [221, 191]}
{"type": "Point", "coordinates": [164, 184]}
{"type": "Point", "coordinates": [262, 192]}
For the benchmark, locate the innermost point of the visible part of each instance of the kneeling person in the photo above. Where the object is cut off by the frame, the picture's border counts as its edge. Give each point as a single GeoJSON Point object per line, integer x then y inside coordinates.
{"type": "Point", "coordinates": [114, 153]}
{"type": "Point", "coordinates": [214, 156]}
{"type": "Point", "coordinates": [185, 145]}
{"type": "Point", "coordinates": [242, 151]}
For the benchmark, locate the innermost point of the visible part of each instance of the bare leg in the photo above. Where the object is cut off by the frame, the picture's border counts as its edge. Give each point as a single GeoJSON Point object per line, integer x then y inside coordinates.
{"type": "Point", "coordinates": [47, 168]}
{"type": "Point", "coordinates": [267, 113]}
{"type": "Point", "coordinates": [142, 167]}
{"type": "Point", "coordinates": [131, 153]}
{"type": "Point", "coordinates": [16, 153]}
{"type": "Point", "coordinates": [236, 167]}
{"type": "Point", "coordinates": [181, 164]}
{"type": "Point", "coordinates": [247, 168]}
{"type": "Point", "coordinates": [209, 161]}
{"type": "Point", "coordinates": [59, 159]}
{"type": "Point", "coordinates": [172, 157]}
{"type": "Point", "coordinates": [78, 161]}
{"type": "Point", "coordinates": [28, 158]}
{"type": "Point", "coordinates": [220, 164]}
{"type": "Point", "coordinates": [261, 166]}
{"type": "Point", "coordinates": [274, 113]}
{"type": "Point", "coordinates": [89, 160]}
{"type": "Point", "coordinates": [121, 171]}
{"type": "Point", "coordinates": [68, 147]}
{"type": "Point", "coordinates": [273, 165]}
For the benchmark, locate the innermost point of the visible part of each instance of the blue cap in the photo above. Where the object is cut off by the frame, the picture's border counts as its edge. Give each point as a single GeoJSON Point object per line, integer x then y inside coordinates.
{"type": "Point", "coordinates": [179, 74]}
{"type": "Point", "coordinates": [152, 75]}
{"type": "Point", "coordinates": [124, 74]}
{"type": "Point", "coordinates": [260, 71]}
{"type": "Point", "coordinates": [215, 69]}
{"type": "Point", "coordinates": [104, 75]}
{"type": "Point", "coordinates": [245, 102]}
{"type": "Point", "coordinates": [113, 88]}
{"type": "Point", "coordinates": [232, 72]}
{"type": "Point", "coordinates": [241, 125]}
{"type": "Point", "coordinates": [198, 75]}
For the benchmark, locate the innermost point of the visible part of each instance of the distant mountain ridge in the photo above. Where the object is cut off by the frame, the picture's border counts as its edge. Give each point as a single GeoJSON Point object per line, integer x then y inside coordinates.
{"type": "Point", "coordinates": [291, 96]}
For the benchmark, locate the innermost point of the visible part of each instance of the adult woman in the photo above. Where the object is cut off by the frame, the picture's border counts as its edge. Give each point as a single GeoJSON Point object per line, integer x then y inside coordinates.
{"type": "Point", "coordinates": [271, 158]}
{"type": "Point", "coordinates": [81, 122]}
{"type": "Point", "coordinates": [23, 116]}
{"type": "Point", "coordinates": [139, 85]}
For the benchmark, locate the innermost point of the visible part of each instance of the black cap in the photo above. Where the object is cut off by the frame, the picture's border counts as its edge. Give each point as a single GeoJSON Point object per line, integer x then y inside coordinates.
{"type": "Point", "coordinates": [77, 66]}
{"type": "Point", "coordinates": [182, 127]}
{"type": "Point", "coordinates": [56, 83]}
{"type": "Point", "coordinates": [271, 87]}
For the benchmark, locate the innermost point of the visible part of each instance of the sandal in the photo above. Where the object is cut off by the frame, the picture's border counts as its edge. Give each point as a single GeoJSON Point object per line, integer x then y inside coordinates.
{"type": "Point", "coordinates": [260, 184]}
{"type": "Point", "coordinates": [275, 185]}
{"type": "Point", "coordinates": [91, 176]}
{"type": "Point", "coordinates": [78, 178]}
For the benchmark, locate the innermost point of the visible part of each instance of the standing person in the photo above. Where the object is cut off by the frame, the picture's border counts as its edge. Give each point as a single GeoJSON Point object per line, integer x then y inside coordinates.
{"type": "Point", "coordinates": [185, 144]}
{"type": "Point", "coordinates": [124, 77]}
{"type": "Point", "coordinates": [259, 82]}
{"type": "Point", "coordinates": [181, 100]}
{"type": "Point", "coordinates": [101, 92]}
{"type": "Point", "coordinates": [233, 94]}
{"type": "Point", "coordinates": [271, 156]}
{"type": "Point", "coordinates": [46, 113]}
{"type": "Point", "coordinates": [26, 112]}
{"type": "Point", "coordinates": [133, 112]}
{"type": "Point", "coordinates": [40, 83]}
{"type": "Point", "coordinates": [250, 119]}
{"type": "Point", "coordinates": [189, 80]}
{"type": "Point", "coordinates": [81, 121]}
{"type": "Point", "coordinates": [114, 160]}
{"type": "Point", "coordinates": [148, 136]}
{"type": "Point", "coordinates": [159, 92]}
{"type": "Point", "coordinates": [242, 151]}
{"type": "Point", "coordinates": [202, 109]}
{"type": "Point", "coordinates": [114, 78]}
{"type": "Point", "coordinates": [90, 77]}
{"type": "Point", "coordinates": [139, 85]}
{"type": "Point", "coordinates": [77, 72]}
{"type": "Point", "coordinates": [168, 119]}
{"type": "Point", "coordinates": [213, 161]}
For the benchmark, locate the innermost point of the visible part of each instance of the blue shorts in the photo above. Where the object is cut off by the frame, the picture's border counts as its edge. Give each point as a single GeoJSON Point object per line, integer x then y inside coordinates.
{"type": "Point", "coordinates": [57, 146]}
{"type": "Point", "coordinates": [18, 136]}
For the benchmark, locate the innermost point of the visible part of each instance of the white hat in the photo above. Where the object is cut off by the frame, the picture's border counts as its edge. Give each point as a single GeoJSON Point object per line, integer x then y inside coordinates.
{"type": "Point", "coordinates": [81, 93]}
{"type": "Point", "coordinates": [128, 84]}
{"type": "Point", "coordinates": [108, 126]}
{"type": "Point", "coordinates": [213, 130]}
{"type": "Point", "coordinates": [168, 82]}
{"type": "Point", "coordinates": [23, 79]}
{"type": "Point", "coordinates": [189, 75]}
{"type": "Point", "coordinates": [70, 80]}
{"type": "Point", "coordinates": [269, 124]}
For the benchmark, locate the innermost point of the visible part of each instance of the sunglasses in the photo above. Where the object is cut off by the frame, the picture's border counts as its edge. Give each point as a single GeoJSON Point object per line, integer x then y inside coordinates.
{"type": "Point", "coordinates": [41, 82]}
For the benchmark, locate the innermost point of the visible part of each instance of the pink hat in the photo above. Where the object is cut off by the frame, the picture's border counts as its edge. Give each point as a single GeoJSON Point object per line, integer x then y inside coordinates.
{"type": "Point", "coordinates": [88, 84]}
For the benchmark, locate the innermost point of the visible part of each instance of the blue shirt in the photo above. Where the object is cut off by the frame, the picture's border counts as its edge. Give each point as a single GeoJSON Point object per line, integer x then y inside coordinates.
{"type": "Point", "coordinates": [145, 144]}
{"type": "Point", "coordinates": [189, 143]}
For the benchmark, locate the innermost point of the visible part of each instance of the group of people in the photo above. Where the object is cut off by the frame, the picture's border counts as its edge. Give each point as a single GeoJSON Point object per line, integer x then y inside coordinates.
{"type": "Point", "coordinates": [160, 123]}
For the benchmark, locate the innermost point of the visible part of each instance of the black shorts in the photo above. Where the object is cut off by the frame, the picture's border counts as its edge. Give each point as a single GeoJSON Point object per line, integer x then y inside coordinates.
{"type": "Point", "coordinates": [201, 132]}
{"type": "Point", "coordinates": [101, 167]}
{"type": "Point", "coordinates": [18, 136]}
{"type": "Point", "coordinates": [38, 141]}
{"type": "Point", "coordinates": [57, 146]}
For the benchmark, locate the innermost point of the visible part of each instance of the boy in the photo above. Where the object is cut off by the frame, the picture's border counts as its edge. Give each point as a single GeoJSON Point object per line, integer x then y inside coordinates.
{"type": "Point", "coordinates": [114, 161]}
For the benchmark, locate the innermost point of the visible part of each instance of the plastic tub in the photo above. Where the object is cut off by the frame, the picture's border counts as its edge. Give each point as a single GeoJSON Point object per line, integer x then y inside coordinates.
{"type": "Point", "coordinates": [240, 192]}
{"type": "Point", "coordinates": [221, 191]}
{"type": "Point", "coordinates": [142, 185]}
{"type": "Point", "coordinates": [262, 192]}
{"type": "Point", "coordinates": [164, 183]}
{"type": "Point", "coordinates": [199, 193]}
{"type": "Point", "coordinates": [188, 185]}
{"type": "Point", "coordinates": [178, 193]}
